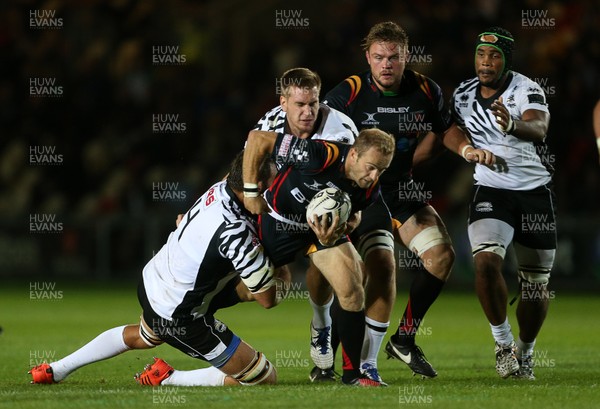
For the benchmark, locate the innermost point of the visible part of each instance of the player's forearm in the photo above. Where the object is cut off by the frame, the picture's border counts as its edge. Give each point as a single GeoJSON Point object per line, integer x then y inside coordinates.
{"type": "Point", "coordinates": [427, 149]}
{"type": "Point", "coordinates": [456, 140]}
{"type": "Point", "coordinates": [258, 145]}
{"type": "Point", "coordinates": [533, 130]}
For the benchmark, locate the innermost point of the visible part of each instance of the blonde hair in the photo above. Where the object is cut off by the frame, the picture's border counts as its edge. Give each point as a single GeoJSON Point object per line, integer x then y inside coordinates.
{"type": "Point", "coordinates": [374, 138]}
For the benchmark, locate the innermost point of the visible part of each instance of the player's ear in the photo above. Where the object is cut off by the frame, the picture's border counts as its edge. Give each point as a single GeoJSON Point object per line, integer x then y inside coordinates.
{"type": "Point", "coordinates": [368, 56]}
{"type": "Point", "coordinates": [283, 102]}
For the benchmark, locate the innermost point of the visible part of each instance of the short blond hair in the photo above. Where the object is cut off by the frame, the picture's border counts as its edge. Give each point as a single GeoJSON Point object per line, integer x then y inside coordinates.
{"type": "Point", "coordinates": [374, 138]}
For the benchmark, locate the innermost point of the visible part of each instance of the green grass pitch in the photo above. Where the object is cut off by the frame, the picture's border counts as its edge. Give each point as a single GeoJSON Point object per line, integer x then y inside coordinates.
{"type": "Point", "coordinates": [454, 336]}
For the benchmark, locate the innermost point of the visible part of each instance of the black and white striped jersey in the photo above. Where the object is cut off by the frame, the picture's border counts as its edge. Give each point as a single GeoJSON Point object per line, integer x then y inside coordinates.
{"type": "Point", "coordinates": [331, 124]}
{"type": "Point", "coordinates": [216, 242]}
{"type": "Point", "coordinates": [521, 165]}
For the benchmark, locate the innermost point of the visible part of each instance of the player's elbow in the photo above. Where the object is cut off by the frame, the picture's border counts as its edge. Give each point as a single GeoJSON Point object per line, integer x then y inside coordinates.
{"type": "Point", "coordinates": [261, 141]}
{"type": "Point", "coordinates": [267, 299]}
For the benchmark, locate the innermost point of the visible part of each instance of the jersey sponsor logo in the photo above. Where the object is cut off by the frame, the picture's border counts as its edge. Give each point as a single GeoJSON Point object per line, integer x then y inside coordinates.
{"type": "Point", "coordinates": [210, 197]}
{"type": "Point", "coordinates": [219, 326]}
{"type": "Point", "coordinates": [370, 119]}
{"type": "Point", "coordinates": [298, 195]}
{"type": "Point", "coordinates": [284, 148]}
{"type": "Point", "coordinates": [316, 186]}
{"type": "Point", "coordinates": [392, 110]}
{"type": "Point", "coordinates": [331, 184]}
{"type": "Point", "coordinates": [484, 207]}
{"type": "Point", "coordinates": [536, 99]}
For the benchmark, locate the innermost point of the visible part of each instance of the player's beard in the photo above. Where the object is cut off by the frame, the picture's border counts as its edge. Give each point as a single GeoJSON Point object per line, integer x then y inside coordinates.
{"type": "Point", "coordinates": [392, 83]}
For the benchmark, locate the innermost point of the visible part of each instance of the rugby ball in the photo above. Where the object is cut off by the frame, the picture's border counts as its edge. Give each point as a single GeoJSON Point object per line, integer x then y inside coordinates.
{"type": "Point", "coordinates": [328, 202]}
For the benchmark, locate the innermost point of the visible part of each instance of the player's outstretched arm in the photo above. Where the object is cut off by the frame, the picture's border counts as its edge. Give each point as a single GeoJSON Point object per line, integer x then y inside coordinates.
{"type": "Point", "coordinates": [259, 144]}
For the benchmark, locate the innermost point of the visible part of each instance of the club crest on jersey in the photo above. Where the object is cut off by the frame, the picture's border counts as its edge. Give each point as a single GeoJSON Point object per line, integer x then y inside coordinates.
{"type": "Point", "coordinates": [484, 207]}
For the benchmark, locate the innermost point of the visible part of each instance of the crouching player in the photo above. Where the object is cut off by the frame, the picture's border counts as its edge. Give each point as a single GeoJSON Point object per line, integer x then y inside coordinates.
{"type": "Point", "coordinates": [209, 262]}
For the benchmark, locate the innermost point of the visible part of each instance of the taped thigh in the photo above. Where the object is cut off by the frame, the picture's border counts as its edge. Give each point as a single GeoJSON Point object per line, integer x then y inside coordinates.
{"type": "Point", "coordinates": [428, 238]}
{"type": "Point", "coordinates": [490, 235]}
{"type": "Point", "coordinates": [256, 372]}
{"type": "Point", "coordinates": [148, 335]}
{"type": "Point", "coordinates": [534, 264]}
{"type": "Point", "coordinates": [375, 240]}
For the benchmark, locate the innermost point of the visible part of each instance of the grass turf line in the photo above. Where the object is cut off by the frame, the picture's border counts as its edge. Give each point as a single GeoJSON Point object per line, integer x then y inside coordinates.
{"type": "Point", "coordinates": [454, 336]}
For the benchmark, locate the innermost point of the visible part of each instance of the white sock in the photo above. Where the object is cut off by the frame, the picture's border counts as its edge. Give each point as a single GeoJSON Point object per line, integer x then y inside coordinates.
{"type": "Point", "coordinates": [106, 345]}
{"type": "Point", "coordinates": [210, 376]}
{"type": "Point", "coordinates": [321, 317]}
{"type": "Point", "coordinates": [502, 333]}
{"type": "Point", "coordinates": [374, 334]}
{"type": "Point", "coordinates": [524, 348]}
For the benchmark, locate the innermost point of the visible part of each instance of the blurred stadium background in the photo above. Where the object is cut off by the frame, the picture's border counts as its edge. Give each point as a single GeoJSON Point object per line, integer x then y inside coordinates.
{"type": "Point", "coordinates": [116, 115]}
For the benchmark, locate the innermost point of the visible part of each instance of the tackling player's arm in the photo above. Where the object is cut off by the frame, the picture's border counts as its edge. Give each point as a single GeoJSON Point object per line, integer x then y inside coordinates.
{"type": "Point", "coordinates": [259, 144]}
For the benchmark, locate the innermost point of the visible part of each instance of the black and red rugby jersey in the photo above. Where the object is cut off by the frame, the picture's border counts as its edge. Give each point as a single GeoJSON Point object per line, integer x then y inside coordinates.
{"type": "Point", "coordinates": [418, 108]}
{"type": "Point", "coordinates": [306, 167]}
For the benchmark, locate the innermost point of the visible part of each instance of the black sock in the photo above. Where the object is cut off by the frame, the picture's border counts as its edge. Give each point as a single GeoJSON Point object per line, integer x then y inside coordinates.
{"type": "Point", "coordinates": [424, 290]}
{"type": "Point", "coordinates": [333, 311]}
{"type": "Point", "coordinates": [351, 330]}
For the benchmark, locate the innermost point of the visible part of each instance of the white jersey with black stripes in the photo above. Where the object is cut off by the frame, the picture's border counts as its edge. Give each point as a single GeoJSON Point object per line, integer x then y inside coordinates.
{"type": "Point", "coordinates": [215, 242]}
{"type": "Point", "coordinates": [331, 125]}
{"type": "Point", "coordinates": [520, 165]}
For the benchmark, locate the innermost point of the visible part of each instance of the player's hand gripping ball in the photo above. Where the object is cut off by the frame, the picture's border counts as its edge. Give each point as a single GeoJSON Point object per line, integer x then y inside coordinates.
{"type": "Point", "coordinates": [328, 202]}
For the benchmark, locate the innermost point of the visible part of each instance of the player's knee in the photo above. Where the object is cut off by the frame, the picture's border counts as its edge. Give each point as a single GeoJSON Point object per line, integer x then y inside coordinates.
{"type": "Point", "coordinates": [381, 268]}
{"type": "Point", "coordinates": [534, 284]}
{"type": "Point", "coordinates": [439, 260]}
{"type": "Point", "coordinates": [259, 371]}
{"type": "Point", "coordinates": [352, 300]}
{"type": "Point", "coordinates": [487, 263]}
